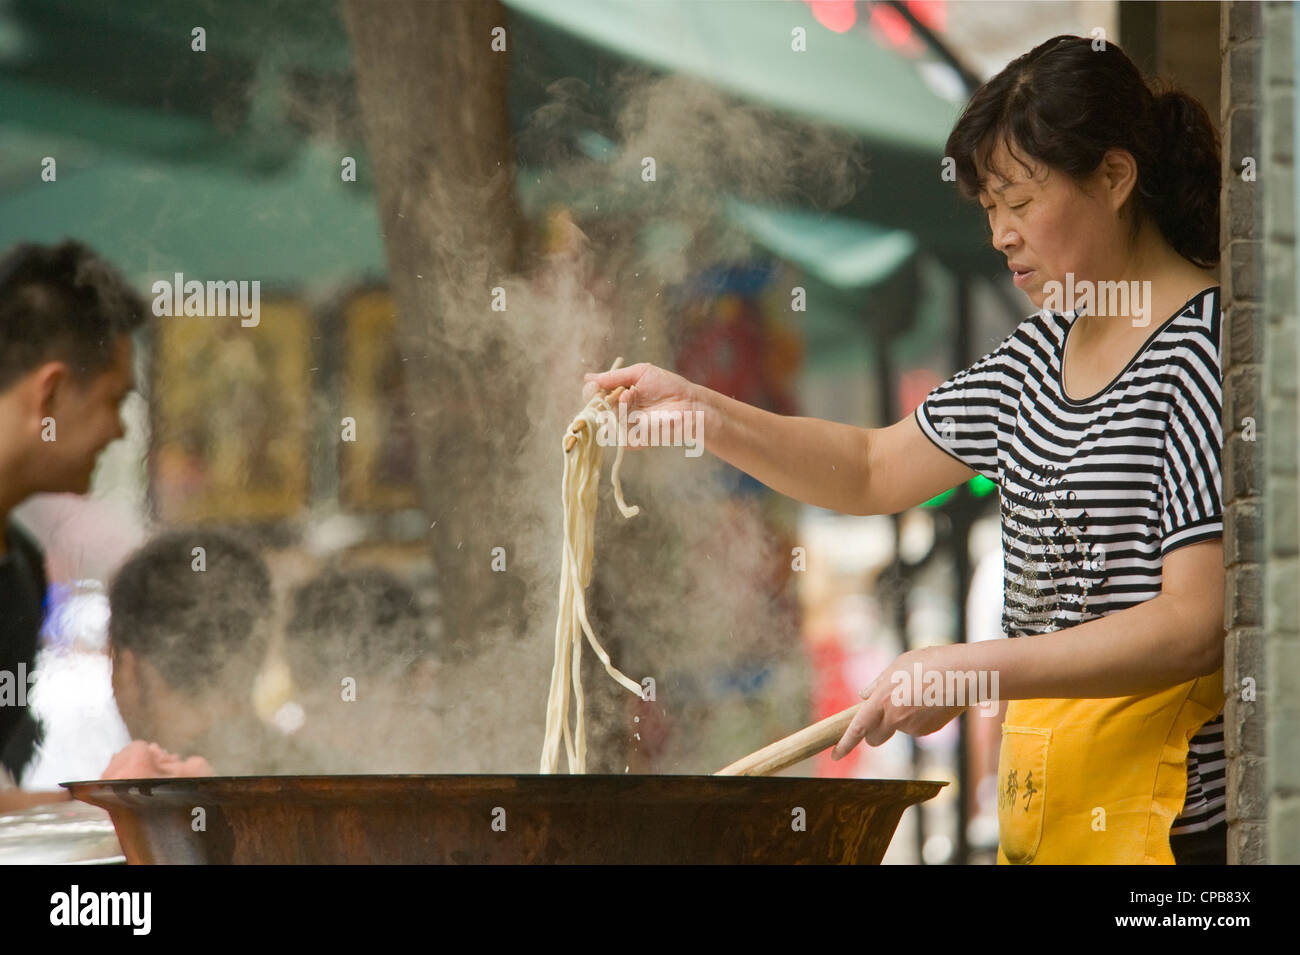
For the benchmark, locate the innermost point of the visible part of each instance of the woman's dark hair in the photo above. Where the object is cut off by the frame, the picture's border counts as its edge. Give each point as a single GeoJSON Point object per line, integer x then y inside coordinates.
{"type": "Point", "coordinates": [62, 302]}
{"type": "Point", "coordinates": [1065, 103]}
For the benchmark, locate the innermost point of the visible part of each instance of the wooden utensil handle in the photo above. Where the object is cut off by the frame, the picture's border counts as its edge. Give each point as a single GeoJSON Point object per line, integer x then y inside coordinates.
{"type": "Point", "coordinates": [794, 748]}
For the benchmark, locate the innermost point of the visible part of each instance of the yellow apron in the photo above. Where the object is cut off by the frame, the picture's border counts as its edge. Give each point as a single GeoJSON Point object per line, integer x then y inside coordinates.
{"type": "Point", "coordinates": [1098, 781]}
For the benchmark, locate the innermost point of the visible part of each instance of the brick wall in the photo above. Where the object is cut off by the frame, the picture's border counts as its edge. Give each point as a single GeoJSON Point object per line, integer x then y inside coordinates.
{"type": "Point", "coordinates": [1282, 529]}
{"type": "Point", "coordinates": [1262, 527]}
{"type": "Point", "coordinates": [1241, 223]}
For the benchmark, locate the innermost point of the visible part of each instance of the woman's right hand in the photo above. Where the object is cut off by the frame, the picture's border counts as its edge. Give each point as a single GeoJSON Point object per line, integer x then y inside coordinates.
{"type": "Point", "coordinates": [650, 390]}
{"type": "Point", "coordinates": [836, 466]}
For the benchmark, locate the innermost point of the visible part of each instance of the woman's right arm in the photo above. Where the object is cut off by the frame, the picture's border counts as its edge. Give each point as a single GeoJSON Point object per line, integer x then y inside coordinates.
{"type": "Point", "coordinates": [828, 464]}
{"type": "Point", "coordinates": [825, 463]}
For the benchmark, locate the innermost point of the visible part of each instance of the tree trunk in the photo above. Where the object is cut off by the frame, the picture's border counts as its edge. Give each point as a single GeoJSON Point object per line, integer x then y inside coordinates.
{"type": "Point", "coordinates": [433, 97]}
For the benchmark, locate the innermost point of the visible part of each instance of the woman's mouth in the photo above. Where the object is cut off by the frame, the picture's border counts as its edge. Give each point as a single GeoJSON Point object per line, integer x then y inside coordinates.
{"type": "Point", "coordinates": [1019, 278]}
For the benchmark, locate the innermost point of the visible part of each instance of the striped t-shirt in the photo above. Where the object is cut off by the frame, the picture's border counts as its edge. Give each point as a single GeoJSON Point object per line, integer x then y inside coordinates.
{"type": "Point", "coordinates": [1095, 492]}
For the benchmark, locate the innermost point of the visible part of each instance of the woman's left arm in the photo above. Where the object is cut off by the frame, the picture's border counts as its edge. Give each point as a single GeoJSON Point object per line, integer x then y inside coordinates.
{"type": "Point", "coordinates": [1174, 637]}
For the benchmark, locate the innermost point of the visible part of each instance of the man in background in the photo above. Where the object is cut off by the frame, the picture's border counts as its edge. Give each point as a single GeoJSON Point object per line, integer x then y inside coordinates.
{"type": "Point", "coordinates": [66, 319]}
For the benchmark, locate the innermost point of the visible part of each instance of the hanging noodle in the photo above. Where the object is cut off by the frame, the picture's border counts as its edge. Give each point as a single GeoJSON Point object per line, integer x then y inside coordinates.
{"type": "Point", "coordinates": [582, 461]}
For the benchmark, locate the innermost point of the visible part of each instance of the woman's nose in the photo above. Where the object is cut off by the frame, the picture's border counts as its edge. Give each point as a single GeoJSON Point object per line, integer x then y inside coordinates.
{"type": "Point", "coordinates": [1003, 237]}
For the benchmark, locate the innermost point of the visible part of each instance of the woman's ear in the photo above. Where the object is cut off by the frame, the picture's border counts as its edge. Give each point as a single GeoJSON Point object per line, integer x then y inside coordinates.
{"type": "Point", "coordinates": [1119, 172]}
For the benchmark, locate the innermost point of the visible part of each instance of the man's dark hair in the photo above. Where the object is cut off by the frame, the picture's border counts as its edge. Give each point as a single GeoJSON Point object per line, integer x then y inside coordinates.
{"type": "Point", "coordinates": [349, 621]}
{"type": "Point", "coordinates": [200, 629]}
{"type": "Point", "coordinates": [62, 302]}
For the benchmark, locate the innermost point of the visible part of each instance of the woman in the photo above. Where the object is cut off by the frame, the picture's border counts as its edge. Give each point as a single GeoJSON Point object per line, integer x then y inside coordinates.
{"type": "Point", "coordinates": [1106, 454]}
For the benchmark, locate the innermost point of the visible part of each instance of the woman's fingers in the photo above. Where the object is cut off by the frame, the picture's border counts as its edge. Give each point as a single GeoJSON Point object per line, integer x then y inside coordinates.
{"type": "Point", "coordinates": [620, 394]}
{"type": "Point", "coordinates": [866, 719]}
{"type": "Point", "coordinates": [609, 380]}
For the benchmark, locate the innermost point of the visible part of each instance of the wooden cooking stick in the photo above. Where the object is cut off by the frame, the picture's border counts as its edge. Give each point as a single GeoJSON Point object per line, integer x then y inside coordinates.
{"type": "Point", "coordinates": [794, 748]}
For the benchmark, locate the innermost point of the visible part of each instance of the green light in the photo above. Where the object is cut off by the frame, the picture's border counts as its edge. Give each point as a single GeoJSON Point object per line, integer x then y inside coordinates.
{"type": "Point", "coordinates": [980, 486]}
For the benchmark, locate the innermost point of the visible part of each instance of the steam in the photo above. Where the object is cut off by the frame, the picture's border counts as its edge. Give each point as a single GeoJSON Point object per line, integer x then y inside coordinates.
{"type": "Point", "coordinates": [683, 593]}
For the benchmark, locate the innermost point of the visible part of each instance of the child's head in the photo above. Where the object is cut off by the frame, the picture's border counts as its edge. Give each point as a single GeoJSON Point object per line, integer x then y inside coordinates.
{"type": "Point", "coordinates": [359, 622]}
{"type": "Point", "coordinates": [365, 667]}
{"type": "Point", "coordinates": [189, 627]}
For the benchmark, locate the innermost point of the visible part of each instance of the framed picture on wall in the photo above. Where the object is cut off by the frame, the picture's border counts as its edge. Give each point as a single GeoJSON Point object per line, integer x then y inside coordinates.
{"type": "Point", "coordinates": [231, 415]}
{"type": "Point", "coordinates": [378, 466]}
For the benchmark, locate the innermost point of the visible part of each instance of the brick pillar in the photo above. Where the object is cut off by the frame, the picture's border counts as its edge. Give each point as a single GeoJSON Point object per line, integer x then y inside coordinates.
{"type": "Point", "coordinates": [1280, 433]}
{"type": "Point", "coordinates": [1245, 429]}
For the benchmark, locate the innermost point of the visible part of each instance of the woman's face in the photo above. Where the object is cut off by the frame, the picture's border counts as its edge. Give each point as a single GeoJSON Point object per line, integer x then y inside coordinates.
{"type": "Point", "coordinates": [1047, 225]}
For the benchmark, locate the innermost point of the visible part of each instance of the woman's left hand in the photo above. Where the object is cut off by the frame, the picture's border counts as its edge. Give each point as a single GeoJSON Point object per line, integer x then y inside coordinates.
{"type": "Point", "coordinates": [885, 709]}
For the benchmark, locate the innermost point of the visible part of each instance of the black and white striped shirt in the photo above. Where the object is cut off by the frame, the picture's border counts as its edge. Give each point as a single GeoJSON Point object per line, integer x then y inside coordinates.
{"type": "Point", "coordinates": [1095, 492]}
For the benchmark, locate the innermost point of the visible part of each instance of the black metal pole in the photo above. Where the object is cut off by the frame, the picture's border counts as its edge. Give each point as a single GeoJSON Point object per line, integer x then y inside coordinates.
{"type": "Point", "coordinates": [940, 48]}
{"type": "Point", "coordinates": [962, 518]}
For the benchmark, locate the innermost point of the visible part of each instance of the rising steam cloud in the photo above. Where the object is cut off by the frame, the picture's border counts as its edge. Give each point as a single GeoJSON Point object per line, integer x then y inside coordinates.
{"type": "Point", "coordinates": [681, 592]}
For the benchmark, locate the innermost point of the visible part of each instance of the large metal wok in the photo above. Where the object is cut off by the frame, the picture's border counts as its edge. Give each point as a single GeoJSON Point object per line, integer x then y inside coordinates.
{"type": "Point", "coordinates": [504, 819]}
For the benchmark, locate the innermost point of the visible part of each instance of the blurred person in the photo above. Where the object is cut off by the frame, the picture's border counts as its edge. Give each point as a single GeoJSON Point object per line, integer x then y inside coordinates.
{"type": "Point", "coordinates": [364, 669]}
{"type": "Point", "coordinates": [66, 319]}
{"type": "Point", "coordinates": [1108, 464]}
{"type": "Point", "coordinates": [190, 618]}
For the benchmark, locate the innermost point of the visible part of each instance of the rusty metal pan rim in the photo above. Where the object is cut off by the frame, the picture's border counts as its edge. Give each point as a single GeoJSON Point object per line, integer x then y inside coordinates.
{"type": "Point", "coordinates": [625, 777]}
{"type": "Point", "coordinates": [559, 786]}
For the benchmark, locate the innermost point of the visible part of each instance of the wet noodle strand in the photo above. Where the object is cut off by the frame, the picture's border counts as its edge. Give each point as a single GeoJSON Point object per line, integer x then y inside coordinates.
{"type": "Point", "coordinates": [583, 456]}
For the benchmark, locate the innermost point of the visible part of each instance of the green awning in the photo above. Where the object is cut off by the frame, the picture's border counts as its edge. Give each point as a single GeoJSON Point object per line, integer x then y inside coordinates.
{"type": "Point", "coordinates": [146, 171]}
{"type": "Point", "coordinates": [846, 254]}
{"type": "Point", "coordinates": [745, 46]}
{"type": "Point", "coordinates": [901, 108]}
{"type": "Point", "coordinates": [290, 230]}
